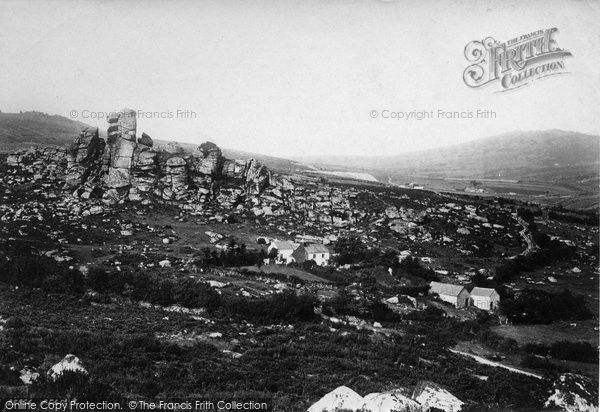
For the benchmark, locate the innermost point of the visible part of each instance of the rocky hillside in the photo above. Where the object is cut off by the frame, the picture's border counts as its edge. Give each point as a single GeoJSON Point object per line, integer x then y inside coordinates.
{"type": "Point", "coordinates": [126, 168]}
{"type": "Point", "coordinates": [35, 129]}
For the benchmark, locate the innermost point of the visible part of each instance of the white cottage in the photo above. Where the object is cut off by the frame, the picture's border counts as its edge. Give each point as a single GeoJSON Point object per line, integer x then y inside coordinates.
{"type": "Point", "coordinates": [455, 294]}
{"type": "Point", "coordinates": [284, 250]}
{"type": "Point", "coordinates": [317, 252]}
{"type": "Point", "coordinates": [485, 298]}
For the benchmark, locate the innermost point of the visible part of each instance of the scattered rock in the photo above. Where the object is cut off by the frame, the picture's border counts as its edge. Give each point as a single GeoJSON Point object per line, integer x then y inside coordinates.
{"type": "Point", "coordinates": [573, 393]}
{"type": "Point", "coordinates": [390, 401]}
{"type": "Point", "coordinates": [431, 395]}
{"type": "Point", "coordinates": [28, 375]}
{"type": "Point", "coordinates": [68, 363]}
{"type": "Point", "coordinates": [341, 398]}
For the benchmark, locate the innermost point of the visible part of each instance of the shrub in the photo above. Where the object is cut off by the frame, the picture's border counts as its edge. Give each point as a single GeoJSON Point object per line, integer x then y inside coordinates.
{"type": "Point", "coordinates": [537, 306]}
{"type": "Point", "coordinates": [70, 384]}
{"type": "Point", "coordinates": [282, 307]}
{"type": "Point", "coordinates": [14, 322]}
{"type": "Point", "coordinates": [534, 362]}
{"type": "Point", "coordinates": [412, 266]}
{"type": "Point", "coordinates": [431, 314]}
{"type": "Point", "coordinates": [32, 271]}
{"type": "Point", "coordinates": [565, 350]}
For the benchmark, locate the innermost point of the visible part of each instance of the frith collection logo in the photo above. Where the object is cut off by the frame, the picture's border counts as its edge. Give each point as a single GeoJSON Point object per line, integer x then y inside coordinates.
{"type": "Point", "coordinates": [515, 63]}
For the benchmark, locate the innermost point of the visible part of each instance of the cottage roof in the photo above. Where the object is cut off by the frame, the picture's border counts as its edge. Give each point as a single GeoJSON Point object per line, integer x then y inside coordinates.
{"type": "Point", "coordinates": [316, 248]}
{"type": "Point", "coordinates": [483, 292]}
{"type": "Point", "coordinates": [283, 245]}
{"type": "Point", "coordinates": [446, 289]}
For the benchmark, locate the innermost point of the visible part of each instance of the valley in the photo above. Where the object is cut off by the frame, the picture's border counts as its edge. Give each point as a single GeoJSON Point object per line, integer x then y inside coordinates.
{"type": "Point", "coordinates": [196, 277]}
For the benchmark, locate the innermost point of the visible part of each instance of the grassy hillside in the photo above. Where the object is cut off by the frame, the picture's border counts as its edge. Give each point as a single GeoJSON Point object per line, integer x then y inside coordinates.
{"type": "Point", "coordinates": [19, 130]}
{"type": "Point", "coordinates": [516, 155]}
{"type": "Point", "coordinates": [555, 157]}
{"type": "Point", "coordinates": [511, 155]}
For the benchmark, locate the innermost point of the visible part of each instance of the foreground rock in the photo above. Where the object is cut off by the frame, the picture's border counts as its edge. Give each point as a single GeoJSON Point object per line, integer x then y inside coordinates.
{"type": "Point", "coordinates": [426, 396]}
{"type": "Point", "coordinates": [68, 363]}
{"type": "Point", "coordinates": [390, 401]}
{"type": "Point", "coordinates": [431, 395]}
{"type": "Point", "coordinates": [573, 393]}
{"type": "Point", "coordinates": [341, 398]}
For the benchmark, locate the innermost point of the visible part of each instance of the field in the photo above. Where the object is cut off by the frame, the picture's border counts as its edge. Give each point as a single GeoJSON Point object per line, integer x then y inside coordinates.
{"type": "Point", "coordinates": [581, 331]}
{"type": "Point", "coordinates": [539, 192]}
{"type": "Point", "coordinates": [287, 271]}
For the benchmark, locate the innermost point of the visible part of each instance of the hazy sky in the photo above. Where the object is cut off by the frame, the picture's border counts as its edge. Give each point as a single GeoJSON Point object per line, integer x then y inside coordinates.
{"type": "Point", "coordinates": [294, 77]}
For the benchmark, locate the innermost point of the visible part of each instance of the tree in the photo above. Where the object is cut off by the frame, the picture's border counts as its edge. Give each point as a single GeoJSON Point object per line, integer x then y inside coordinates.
{"type": "Point", "coordinates": [273, 253]}
{"type": "Point", "coordinates": [260, 258]}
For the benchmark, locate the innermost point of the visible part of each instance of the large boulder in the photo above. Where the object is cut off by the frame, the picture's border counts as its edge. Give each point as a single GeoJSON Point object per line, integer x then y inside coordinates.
{"type": "Point", "coordinates": [175, 183]}
{"type": "Point", "coordinates": [341, 398]}
{"type": "Point", "coordinates": [84, 158]}
{"type": "Point", "coordinates": [392, 213]}
{"type": "Point", "coordinates": [234, 169]}
{"type": "Point", "coordinates": [144, 171]}
{"type": "Point", "coordinates": [121, 147]}
{"type": "Point", "coordinates": [68, 363]}
{"type": "Point", "coordinates": [87, 146]}
{"type": "Point", "coordinates": [573, 393]}
{"type": "Point", "coordinates": [146, 140]}
{"type": "Point", "coordinates": [430, 395]}
{"type": "Point", "coordinates": [127, 124]}
{"type": "Point", "coordinates": [257, 177]}
{"type": "Point", "coordinates": [393, 400]}
{"type": "Point", "coordinates": [14, 160]}
{"type": "Point", "coordinates": [208, 159]}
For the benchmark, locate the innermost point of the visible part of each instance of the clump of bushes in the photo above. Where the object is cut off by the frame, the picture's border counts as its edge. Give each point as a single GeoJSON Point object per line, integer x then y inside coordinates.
{"type": "Point", "coordinates": [142, 286]}
{"type": "Point", "coordinates": [33, 271]}
{"type": "Point", "coordinates": [235, 255]}
{"type": "Point", "coordinates": [412, 266]}
{"type": "Point", "coordinates": [543, 364]}
{"type": "Point", "coordinates": [283, 307]}
{"type": "Point", "coordinates": [532, 306]}
{"type": "Point", "coordinates": [565, 350]}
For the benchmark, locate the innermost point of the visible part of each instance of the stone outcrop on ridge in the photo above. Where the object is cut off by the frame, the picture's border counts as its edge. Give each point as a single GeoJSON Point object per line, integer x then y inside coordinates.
{"type": "Point", "coordinates": [125, 168]}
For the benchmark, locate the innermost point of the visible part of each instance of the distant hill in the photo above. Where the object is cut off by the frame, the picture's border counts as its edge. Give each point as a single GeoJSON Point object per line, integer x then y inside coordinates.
{"type": "Point", "coordinates": [19, 130]}
{"type": "Point", "coordinates": [549, 155]}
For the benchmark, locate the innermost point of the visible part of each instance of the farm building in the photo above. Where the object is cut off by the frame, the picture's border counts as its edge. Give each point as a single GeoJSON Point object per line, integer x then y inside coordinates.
{"type": "Point", "coordinates": [284, 250]}
{"type": "Point", "coordinates": [456, 294]}
{"type": "Point", "coordinates": [317, 252]}
{"type": "Point", "coordinates": [484, 298]}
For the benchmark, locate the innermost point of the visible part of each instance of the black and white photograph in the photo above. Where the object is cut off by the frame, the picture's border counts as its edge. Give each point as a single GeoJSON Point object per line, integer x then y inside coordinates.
{"type": "Point", "coordinates": [299, 205]}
